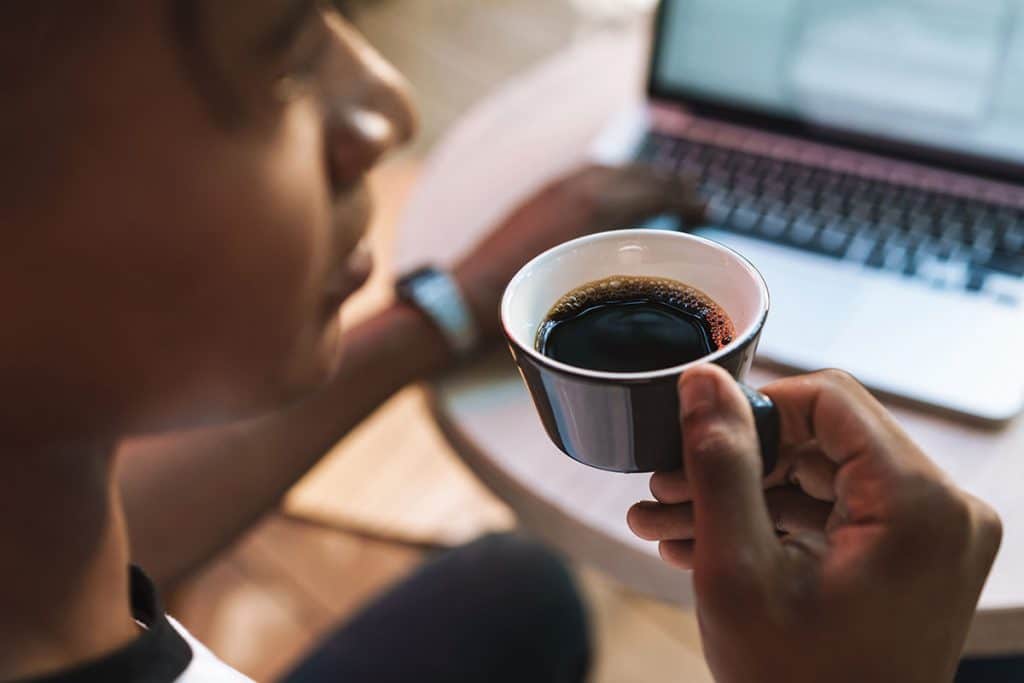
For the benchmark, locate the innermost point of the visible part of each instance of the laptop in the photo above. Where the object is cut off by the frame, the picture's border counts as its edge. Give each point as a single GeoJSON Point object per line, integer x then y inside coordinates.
{"type": "Point", "coordinates": [868, 157]}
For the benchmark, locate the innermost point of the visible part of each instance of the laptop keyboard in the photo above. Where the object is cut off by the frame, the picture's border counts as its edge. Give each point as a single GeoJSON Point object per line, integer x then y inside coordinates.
{"type": "Point", "coordinates": [944, 240]}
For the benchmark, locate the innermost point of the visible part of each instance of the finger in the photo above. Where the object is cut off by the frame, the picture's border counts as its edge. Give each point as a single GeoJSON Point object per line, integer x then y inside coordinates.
{"type": "Point", "coordinates": [813, 472]}
{"type": "Point", "coordinates": [792, 511]}
{"type": "Point", "coordinates": [723, 466]}
{"type": "Point", "coordinates": [670, 487]}
{"type": "Point", "coordinates": [686, 200]}
{"type": "Point", "coordinates": [657, 522]}
{"type": "Point", "coordinates": [679, 554]}
{"type": "Point", "coordinates": [880, 471]}
{"type": "Point", "coordinates": [804, 466]}
{"type": "Point", "coordinates": [669, 192]}
{"type": "Point", "coordinates": [834, 410]}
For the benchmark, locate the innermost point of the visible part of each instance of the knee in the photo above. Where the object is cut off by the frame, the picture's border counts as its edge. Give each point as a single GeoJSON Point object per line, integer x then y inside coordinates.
{"type": "Point", "coordinates": [530, 580]}
{"type": "Point", "coordinates": [518, 558]}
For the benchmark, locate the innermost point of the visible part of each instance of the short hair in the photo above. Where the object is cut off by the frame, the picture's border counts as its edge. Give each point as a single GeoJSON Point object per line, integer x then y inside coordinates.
{"type": "Point", "coordinates": [40, 45]}
{"type": "Point", "coordinates": [39, 41]}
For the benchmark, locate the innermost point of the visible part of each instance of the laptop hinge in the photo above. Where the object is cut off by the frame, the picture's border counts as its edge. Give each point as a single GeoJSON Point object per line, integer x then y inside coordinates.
{"type": "Point", "coordinates": [672, 119]}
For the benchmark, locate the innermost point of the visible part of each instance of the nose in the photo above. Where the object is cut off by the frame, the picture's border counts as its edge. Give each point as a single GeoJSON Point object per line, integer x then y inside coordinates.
{"type": "Point", "coordinates": [369, 108]}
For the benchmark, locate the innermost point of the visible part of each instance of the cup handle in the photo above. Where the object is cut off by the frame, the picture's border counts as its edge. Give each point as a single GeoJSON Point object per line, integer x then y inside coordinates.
{"type": "Point", "coordinates": [766, 419]}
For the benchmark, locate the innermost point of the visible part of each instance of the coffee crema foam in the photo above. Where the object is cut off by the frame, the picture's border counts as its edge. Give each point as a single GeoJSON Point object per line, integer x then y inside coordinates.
{"type": "Point", "coordinates": [621, 288]}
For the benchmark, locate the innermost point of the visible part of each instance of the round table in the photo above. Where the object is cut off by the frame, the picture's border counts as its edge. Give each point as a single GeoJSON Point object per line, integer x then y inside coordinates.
{"type": "Point", "coordinates": [532, 129]}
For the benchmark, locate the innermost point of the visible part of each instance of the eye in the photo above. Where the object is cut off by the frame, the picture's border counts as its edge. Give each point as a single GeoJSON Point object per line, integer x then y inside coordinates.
{"type": "Point", "coordinates": [303, 60]}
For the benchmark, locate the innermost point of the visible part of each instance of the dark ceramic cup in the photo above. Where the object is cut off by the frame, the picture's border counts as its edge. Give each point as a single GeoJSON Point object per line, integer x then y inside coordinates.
{"type": "Point", "coordinates": [629, 422]}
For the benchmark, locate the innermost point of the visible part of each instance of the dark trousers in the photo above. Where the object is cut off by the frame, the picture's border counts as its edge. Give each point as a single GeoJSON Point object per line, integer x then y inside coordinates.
{"type": "Point", "coordinates": [502, 609]}
{"type": "Point", "coordinates": [994, 670]}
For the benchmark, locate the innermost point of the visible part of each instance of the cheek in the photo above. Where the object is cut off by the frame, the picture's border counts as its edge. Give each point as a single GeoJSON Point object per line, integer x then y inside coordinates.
{"type": "Point", "coordinates": [238, 253]}
{"type": "Point", "coordinates": [178, 272]}
{"type": "Point", "coordinates": [276, 258]}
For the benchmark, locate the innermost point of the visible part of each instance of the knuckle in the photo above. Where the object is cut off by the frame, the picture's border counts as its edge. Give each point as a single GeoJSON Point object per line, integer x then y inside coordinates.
{"type": "Point", "coordinates": [838, 380]}
{"type": "Point", "coordinates": [584, 190]}
{"type": "Point", "coordinates": [989, 526]}
{"type": "Point", "coordinates": [958, 517]}
{"type": "Point", "coordinates": [938, 511]}
{"type": "Point", "coordinates": [924, 494]}
{"type": "Point", "coordinates": [718, 449]}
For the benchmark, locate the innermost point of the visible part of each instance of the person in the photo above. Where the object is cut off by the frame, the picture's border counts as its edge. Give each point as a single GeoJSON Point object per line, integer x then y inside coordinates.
{"type": "Point", "coordinates": [183, 197]}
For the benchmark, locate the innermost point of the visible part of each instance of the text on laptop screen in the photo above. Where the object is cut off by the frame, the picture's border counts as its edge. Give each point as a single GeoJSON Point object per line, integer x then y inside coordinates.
{"type": "Point", "coordinates": [943, 74]}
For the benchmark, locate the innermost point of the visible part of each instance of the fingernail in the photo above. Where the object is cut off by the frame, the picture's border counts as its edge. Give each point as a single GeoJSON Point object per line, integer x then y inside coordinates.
{"type": "Point", "coordinates": [699, 395]}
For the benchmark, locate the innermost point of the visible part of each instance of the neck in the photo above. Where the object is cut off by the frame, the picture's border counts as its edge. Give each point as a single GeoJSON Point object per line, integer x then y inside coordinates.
{"type": "Point", "coordinates": [64, 578]}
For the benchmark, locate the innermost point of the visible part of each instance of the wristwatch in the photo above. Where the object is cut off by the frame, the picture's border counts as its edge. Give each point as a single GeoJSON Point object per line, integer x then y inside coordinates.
{"type": "Point", "coordinates": [436, 294]}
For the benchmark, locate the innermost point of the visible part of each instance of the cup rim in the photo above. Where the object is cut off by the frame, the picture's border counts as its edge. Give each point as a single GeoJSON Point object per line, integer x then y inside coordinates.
{"type": "Point", "coordinates": [741, 340]}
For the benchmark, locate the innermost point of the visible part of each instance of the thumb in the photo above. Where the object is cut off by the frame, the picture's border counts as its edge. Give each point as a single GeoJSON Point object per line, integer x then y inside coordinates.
{"type": "Point", "coordinates": [723, 469]}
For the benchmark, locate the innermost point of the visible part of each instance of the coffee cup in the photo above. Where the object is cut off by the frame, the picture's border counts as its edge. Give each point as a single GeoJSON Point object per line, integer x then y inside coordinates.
{"type": "Point", "coordinates": [629, 421]}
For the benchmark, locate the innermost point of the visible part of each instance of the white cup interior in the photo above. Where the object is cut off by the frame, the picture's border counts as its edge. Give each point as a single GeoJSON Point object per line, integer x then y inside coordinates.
{"type": "Point", "coordinates": [716, 270]}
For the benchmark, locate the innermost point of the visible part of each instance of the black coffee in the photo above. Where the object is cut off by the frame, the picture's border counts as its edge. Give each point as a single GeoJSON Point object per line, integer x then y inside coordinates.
{"type": "Point", "coordinates": [633, 324]}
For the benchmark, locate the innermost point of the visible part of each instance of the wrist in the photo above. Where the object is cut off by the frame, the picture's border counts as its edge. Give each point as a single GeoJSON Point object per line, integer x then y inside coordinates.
{"type": "Point", "coordinates": [451, 302]}
{"type": "Point", "coordinates": [396, 347]}
{"type": "Point", "coordinates": [415, 336]}
{"type": "Point", "coordinates": [482, 293]}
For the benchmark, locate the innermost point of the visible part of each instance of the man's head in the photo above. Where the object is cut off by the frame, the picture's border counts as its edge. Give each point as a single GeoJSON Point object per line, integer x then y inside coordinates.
{"type": "Point", "coordinates": [182, 191]}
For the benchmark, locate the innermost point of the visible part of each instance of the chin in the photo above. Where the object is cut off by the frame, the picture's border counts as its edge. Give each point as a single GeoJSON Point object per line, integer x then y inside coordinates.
{"type": "Point", "coordinates": [321, 365]}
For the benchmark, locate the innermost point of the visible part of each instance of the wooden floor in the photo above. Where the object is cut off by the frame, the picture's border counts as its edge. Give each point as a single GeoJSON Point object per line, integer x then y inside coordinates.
{"type": "Point", "coordinates": [361, 521]}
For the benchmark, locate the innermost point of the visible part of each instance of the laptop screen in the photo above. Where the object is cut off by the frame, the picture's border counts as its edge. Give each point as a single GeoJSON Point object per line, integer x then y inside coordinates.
{"type": "Point", "coordinates": [943, 75]}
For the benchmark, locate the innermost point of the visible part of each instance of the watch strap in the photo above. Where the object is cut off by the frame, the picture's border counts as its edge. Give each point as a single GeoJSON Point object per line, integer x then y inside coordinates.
{"type": "Point", "coordinates": [437, 295]}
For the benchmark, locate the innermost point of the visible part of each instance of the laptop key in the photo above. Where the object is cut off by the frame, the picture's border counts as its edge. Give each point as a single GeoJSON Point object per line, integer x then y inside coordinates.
{"type": "Point", "coordinates": [719, 210]}
{"type": "Point", "coordinates": [664, 155]}
{"type": "Point", "coordinates": [1006, 290]}
{"type": "Point", "coordinates": [1009, 262]}
{"type": "Point", "coordinates": [690, 167]}
{"type": "Point", "coordinates": [876, 259]}
{"type": "Point", "coordinates": [895, 256]}
{"type": "Point", "coordinates": [861, 247]}
{"type": "Point", "coordinates": [833, 241]}
{"type": "Point", "coordinates": [861, 212]}
{"type": "Point", "coordinates": [976, 279]}
{"type": "Point", "coordinates": [773, 226]}
{"type": "Point", "coordinates": [983, 235]}
{"type": "Point", "coordinates": [648, 148]}
{"type": "Point", "coordinates": [915, 257]}
{"type": "Point", "coordinates": [803, 197]}
{"type": "Point", "coordinates": [955, 274]}
{"type": "Point", "coordinates": [1013, 239]}
{"type": "Point", "coordinates": [744, 219]}
{"type": "Point", "coordinates": [831, 205]}
{"type": "Point", "coordinates": [802, 232]}
{"type": "Point", "coordinates": [889, 231]}
{"type": "Point", "coordinates": [892, 215]}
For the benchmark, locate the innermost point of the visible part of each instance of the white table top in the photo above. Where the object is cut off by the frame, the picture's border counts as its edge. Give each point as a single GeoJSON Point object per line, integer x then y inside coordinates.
{"type": "Point", "coordinates": [528, 132]}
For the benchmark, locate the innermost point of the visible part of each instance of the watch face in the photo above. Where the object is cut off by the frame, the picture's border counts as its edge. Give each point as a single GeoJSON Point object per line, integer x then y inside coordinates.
{"type": "Point", "coordinates": [408, 284]}
{"type": "Point", "coordinates": [435, 293]}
